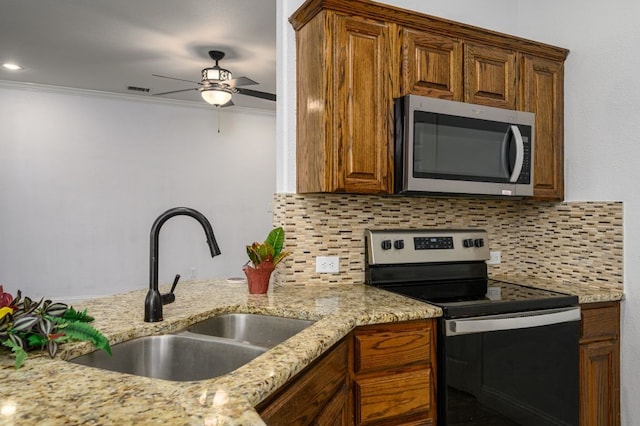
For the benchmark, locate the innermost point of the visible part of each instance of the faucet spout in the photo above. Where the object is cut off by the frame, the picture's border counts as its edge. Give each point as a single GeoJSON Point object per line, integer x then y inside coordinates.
{"type": "Point", "coordinates": [154, 300]}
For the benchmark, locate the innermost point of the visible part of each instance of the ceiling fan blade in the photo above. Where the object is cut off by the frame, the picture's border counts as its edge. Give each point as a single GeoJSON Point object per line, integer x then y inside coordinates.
{"type": "Point", "coordinates": [174, 91]}
{"type": "Point", "coordinates": [257, 94]}
{"type": "Point", "coordinates": [228, 104]}
{"type": "Point", "coordinates": [240, 81]}
{"type": "Point", "coordinates": [174, 78]}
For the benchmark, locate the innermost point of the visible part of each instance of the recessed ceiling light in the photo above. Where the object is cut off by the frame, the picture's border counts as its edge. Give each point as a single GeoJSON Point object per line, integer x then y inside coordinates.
{"type": "Point", "coordinates": [12, 67]}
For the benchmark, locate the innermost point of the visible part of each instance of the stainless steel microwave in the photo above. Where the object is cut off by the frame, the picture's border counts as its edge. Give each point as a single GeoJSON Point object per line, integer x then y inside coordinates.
{"type": "Point", "coordinates": [450, 147]}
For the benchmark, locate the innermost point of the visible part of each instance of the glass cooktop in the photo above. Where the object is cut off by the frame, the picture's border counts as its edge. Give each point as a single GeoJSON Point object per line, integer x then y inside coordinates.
{"type": "Point", "coordinates": [500, 297]}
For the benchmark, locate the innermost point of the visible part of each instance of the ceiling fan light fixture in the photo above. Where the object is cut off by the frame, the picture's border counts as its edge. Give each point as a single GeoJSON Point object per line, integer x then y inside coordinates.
{"type": "Point", "coordinates": [216, 96]}
{"type": "Point", "coordinates": [216, 74]}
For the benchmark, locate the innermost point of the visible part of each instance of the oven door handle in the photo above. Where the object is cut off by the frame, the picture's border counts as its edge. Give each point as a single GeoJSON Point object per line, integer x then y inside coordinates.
{"type": "Point", "coordinates": [454, 327]}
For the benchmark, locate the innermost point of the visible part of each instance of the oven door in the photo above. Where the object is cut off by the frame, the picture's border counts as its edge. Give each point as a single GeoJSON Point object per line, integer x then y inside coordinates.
{"type": "Point", "coordinates": [511, 369]}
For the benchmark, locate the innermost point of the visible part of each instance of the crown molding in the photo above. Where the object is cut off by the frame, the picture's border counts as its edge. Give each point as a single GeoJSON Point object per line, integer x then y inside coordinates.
{"type": "Point", "coordinates": [37, 87]}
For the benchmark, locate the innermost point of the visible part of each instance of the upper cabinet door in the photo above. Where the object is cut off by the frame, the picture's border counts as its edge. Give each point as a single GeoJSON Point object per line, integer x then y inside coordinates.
{"type": "Point", "coordinates": [490, 76]}
{"type": "Point", "coordinates": [431, 65]}
{"type": "Point", "coordinates": [344, 112]}
{"type": "Point", "coordinates": [363, 104]}
{"type": "Point", "coordinates": [542, 94]}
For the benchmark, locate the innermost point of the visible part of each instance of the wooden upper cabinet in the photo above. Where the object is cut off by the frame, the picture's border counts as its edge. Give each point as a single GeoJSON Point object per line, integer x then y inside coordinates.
{"type": "Point", "coordinates": [431, 65]}
{"type": "Point", "coordinates": [354, 57]}
{"type": "Point", "coordinates": [345, 112]}
{"type": "Point", "coordinates": [490, 76]}
{"type": "Point", "coordinates": [363, 110]}
{"type": "Point", "coordinates": [542, 93]}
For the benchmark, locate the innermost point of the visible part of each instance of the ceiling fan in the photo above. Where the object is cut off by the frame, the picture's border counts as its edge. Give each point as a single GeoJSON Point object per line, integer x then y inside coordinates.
{"type": "Point", "coordinates": [217, 86]}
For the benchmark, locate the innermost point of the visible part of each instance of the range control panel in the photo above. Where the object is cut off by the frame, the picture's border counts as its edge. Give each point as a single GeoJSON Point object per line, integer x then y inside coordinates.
{"type": "Point", "coordinates": [425, 246]}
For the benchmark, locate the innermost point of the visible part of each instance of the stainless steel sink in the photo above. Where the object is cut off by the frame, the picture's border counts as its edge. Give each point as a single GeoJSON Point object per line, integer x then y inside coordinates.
{"type": "Point", "coordinates": [173, 357]}
{"type": "Point", "coordinates": [259, 330]}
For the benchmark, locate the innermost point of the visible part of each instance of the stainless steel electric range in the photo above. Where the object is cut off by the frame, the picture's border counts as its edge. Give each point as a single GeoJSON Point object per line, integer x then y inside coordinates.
{"type": "Point", "coordinates": [507, 352]}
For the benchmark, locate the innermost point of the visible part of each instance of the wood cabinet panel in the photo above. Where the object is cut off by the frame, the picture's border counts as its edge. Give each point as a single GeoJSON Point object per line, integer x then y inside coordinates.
{"type": "Point", "coordinates": [490, 76]}
{"type": "Point", "coordinates": [344, 108]}
{"type": "Point", "coordinates": [600, 365]}
{"type": "Point", "coordinates": [394, 373]}
{"type": "Point", "coordinates": [543, 94]}
{"type": "Point", "coordinates": [600, 322]}
{"type": "Point", "coordinates": [337, 412]}
{"type": "Point", "coordinates": [392, 395]}
{"type": "Point", "coordinates": [363, 78]}
{"type": "Point", "coordinates": [318, 388]}
{"type": "Point", "coordinates": [431, 65]}
{"type": "Point", "coordinates": [600, 389]}
{"type": "Point", "coordinates": [392, 346]}
{"type": "Point", "coordinates": [315, 147]}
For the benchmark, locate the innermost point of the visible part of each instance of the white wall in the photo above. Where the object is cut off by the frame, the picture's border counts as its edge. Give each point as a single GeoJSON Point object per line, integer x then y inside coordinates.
{"type": "Point", "coordinates": [602, 100]}
{"type": "Point", "coordinates": [602, 97]}
{"type": "Point", "coordinates": [84, 175]}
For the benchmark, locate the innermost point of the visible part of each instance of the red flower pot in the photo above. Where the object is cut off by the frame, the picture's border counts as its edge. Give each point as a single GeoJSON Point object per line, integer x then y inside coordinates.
{"type": "Point", "coordinates": [258, 278]}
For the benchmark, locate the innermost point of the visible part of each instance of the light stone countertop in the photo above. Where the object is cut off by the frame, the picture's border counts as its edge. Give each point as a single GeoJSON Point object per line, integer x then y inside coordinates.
{"type": "Point", "coordinates": [586, 292]}
{"type": "Point", "coordinates": [54, 392]}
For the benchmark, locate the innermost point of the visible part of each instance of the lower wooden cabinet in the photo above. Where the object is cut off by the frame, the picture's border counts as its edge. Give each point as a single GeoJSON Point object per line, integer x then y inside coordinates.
{"type": "Point", "coordinates": [319, 395]}
{"type": "Point", "coordinates": [385, 374]}
{"type": "Point", "coordinates": [394, 373]}
{"type": "Point", "coordinates": [378, 375]}
{"type": "Point", "coordinates": [600, 364]}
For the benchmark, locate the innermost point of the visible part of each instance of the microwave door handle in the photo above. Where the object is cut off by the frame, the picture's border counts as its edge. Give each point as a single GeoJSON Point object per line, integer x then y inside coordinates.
{"type": "Point", "coordinates": [517, 168]}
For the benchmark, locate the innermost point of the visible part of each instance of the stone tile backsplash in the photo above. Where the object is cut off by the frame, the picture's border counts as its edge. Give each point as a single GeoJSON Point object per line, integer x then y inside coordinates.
{"type": "Point", "coordinates": [574, 242]}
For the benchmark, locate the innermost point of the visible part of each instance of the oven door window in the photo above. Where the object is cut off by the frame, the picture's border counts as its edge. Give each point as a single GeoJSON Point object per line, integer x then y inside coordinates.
{"type": "Point", "coordinates": [513, 377]}
{"type": "Point", "coordinates": [459, 148]}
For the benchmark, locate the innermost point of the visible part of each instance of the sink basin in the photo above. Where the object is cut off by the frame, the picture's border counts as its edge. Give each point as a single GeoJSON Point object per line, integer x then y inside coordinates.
{"type": "Point", "coordinates": [259, 330]}
{"type": "Point", "coordinates": [173, 357]}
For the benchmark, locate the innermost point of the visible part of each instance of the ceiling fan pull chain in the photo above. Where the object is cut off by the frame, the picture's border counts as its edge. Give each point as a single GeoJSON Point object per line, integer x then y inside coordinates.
{"type": "Point", "coordinates": [218, 108]}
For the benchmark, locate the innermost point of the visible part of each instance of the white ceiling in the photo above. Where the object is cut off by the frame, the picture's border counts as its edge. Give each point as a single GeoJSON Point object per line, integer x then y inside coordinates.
{"type": "Point", "coordinates": [109, 45]}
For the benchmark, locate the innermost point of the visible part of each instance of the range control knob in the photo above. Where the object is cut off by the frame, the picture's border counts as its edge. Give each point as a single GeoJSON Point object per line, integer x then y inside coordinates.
{"type": "Point", "coordinates": [478, 242]}
{"type": "Point", "coordinates": [467, 243]}
{"type": "Point", "coordinates": [386, 244]}
{"type": "Point", "coordinates": [398, 244]}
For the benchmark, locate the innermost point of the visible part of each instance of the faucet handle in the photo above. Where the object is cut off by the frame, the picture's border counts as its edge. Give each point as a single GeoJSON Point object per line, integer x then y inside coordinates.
{"type": "Point", "coordinates": [170, 297]}
{"type": "Point", "coordinates": [175, 283]}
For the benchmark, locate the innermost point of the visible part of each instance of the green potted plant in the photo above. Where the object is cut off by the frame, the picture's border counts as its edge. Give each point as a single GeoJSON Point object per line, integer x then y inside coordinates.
{"type": "Point", "coordinates": [264, 257]}
{"type": "Point", "coordinates": [27, 325]}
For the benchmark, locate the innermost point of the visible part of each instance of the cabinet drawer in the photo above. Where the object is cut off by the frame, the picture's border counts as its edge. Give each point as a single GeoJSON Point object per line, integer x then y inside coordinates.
{"type": "Point", "coordinates": [600, 321]}
{"type": "Point", "coordinates": [383, 397]}
{"type": "Point", "coordinates": [392, 345]}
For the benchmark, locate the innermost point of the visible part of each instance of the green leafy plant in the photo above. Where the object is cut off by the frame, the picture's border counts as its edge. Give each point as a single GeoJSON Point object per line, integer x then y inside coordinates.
{"type": "Point", "coordinates": [270, 251]}
{"type": "Point", "coordinates": [27, 325]}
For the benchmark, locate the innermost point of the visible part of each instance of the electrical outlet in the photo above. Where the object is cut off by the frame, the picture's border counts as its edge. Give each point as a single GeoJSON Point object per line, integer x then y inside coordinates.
{"type": "Point", "coordinates": [193, 273]}
{"type": "Point", "coordinates": [327, 264]}
{"type": "Point", "coordinates": [494, 258]}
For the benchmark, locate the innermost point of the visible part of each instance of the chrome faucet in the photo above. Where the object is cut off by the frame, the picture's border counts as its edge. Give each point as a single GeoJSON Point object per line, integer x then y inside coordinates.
{"type": "Point", "coordinates": [154, 301]}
